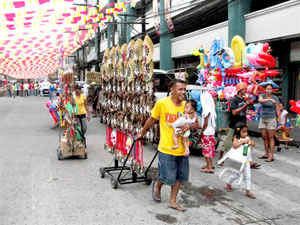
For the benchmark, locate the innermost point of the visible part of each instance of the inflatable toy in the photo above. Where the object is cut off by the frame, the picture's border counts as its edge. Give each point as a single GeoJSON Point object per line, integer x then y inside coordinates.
{"type": "Point", "coordinates": [206, 58]}
{"type": "Point", "coordinates": [269, 82]}
{"type": "Point", "coordinates": [295, 106]}
{"type": "Point", "coordinates": [249, 48]}
{"type": "Point", "coordinates": [228, 57]}
{"type": "Point", "coordinates": [238, 48]}
{"type": "Point", "coordinates": [217, 44]}
{"type": "Point", "coordinates": [229, 92]}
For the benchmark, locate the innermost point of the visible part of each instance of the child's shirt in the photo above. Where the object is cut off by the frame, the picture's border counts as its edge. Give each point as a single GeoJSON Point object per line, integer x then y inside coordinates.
{"type": "Point", "coordinates": [282, 116]}
{"type": "Point", "coordinates": [181, 121]}
{"type": "Point", "coordinates": [249, 156]}
{"type": "Point", "coordinates": [210, 129]}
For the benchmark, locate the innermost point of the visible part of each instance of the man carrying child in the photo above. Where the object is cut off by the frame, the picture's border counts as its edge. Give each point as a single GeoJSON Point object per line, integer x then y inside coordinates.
{"type": "Point", "coordinates": [173, 166]}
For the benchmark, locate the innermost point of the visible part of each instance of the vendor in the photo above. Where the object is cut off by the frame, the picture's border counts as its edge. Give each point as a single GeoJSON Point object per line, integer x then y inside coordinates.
{"type": "Point", "coordinates": [83, 109]}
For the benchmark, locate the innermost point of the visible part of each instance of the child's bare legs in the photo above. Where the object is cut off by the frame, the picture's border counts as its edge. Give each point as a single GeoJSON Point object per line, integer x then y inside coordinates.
{"type": "Point", "coordinates": [175, 140]}
{"type": "Point", "coordinates": [209, 163]}
{"type": "Point", "coordinates": [185, 141]}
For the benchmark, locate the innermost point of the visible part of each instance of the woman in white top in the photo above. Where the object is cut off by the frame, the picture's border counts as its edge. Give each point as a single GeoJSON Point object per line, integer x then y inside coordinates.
{"type": "Point", "coordinates": [207, 135]}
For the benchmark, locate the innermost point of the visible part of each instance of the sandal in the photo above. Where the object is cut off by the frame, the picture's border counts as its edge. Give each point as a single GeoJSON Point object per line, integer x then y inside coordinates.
{"type": "Point", "coordinates": [250, 195]}
{"type": "Point", "coordinates": [178, 208]}
{"type": "Point", "coordinates": [204, 167]}
{"type": "Point", "coordinates": [263, 157]}
{"type": "Point", "coordinates": [206, 171]}
{"type": "Point", "coordinates": [255, 166]}
{"type": "Point", "coordinates": [155, 196]}
{"type": "Point", "coordinates": [228, 189]}
{"type": "Point", "coordinates": [269, 160]}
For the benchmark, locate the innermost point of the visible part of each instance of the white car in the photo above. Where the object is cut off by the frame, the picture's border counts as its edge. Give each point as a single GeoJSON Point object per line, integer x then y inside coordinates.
{"type": "Point", "coordinates": [46, 86]}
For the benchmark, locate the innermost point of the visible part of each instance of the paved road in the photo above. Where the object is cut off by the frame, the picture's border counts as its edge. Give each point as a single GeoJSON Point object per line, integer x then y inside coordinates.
{"type": "Point", "coordinates": [38, 189]}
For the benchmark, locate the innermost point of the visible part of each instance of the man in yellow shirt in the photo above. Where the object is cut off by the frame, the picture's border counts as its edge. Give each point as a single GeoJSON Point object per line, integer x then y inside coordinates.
{"type": "Point", "coordinates": [173, 166]}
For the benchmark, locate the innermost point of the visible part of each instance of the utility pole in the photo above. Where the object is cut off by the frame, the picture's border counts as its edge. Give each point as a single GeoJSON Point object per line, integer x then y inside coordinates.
{"type": "Point", "coordinates": [143, 17]}
{"type": "Point", "coordinates": [98, 45]}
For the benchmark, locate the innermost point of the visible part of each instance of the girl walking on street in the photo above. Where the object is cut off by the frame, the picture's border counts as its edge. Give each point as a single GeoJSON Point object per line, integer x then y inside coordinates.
{"type": "Point", "coordinates": [241, 138]}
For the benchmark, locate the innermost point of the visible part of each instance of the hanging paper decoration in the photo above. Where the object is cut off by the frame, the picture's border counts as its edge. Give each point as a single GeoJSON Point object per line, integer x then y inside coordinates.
{"type": "Point", "coordinates": [168, 18]}
{"type": "Point", "coordinates": [30, 48]}
{"type": "Point", "coordinates": [156, 16]}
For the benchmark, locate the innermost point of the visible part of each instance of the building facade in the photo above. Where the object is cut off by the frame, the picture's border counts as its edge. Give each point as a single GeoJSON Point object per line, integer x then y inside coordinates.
{"type": "Point", "coordinates": [198, 23]}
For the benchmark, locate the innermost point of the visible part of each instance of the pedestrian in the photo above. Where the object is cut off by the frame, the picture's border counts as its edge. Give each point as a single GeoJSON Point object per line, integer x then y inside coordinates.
{"type": "Point", "coordinates": [237, 113]}
{"type": "Point", "coordinates": [95, 101]}
{"type": "Point", "coordinates": [18, 88]}
{"type": "Point", "coordinates": [22, 89]}
{"type": "Point", "coordinates": [268, 121]}
{"type": "Point", "coordinates": [41, 90]}
{"type": "Point", "coordinates": [208, 123]}
{"type": "Point", "coordinates": [29, 88]}
{"type": "Point", "coordinates": [14, 90]}
{"type": "Point", "coordinates": [51, 91]}
{"type": "Point", "coordinates": [36, 88]}
{"type": "Point", "coordinates": [86, 89]}
{"type": "Point", "coordinates": [8, 89]}
{"type": "Point", "coordinates": [83, 110]}
{"type": "Point", "coordinates": [26, 89]}
{"type": "Point", "coordinates": [241, 138]}
{"type": "Point", "coordinates": [173, 166]}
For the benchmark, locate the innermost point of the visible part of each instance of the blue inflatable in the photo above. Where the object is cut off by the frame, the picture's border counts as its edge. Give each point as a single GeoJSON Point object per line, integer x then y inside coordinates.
{"type": "Point", "coordinates": [215, 60]}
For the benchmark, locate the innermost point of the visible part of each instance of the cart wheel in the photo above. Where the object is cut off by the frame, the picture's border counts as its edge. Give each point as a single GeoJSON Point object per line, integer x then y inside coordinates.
{"type": "Point", "coordinates": [102, 172]}
{"type": "Point", "coordinates": [148, 178]}
{"type": "Point", "coordinates": [114, 182]}
{"type": "Point", "coordinates": [59, 155]}
{"type": "Point", "coordinates": [85, 155]}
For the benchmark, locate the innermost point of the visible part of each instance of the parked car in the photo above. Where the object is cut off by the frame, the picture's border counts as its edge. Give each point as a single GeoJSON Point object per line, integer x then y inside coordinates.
{"type": "Point", "coordinates": [46, 86]}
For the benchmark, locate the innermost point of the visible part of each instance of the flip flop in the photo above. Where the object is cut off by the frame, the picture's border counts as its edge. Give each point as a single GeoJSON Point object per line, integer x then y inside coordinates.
{"type": "Point", "coordinates": [178, 208]}
{"type": "Point", "coordinates": [263, 157]}
{"type": "Point", "coordinates": [255, 166]}
{"type": "Point", "coordinates": [154, 195]}
{"type": "Point", "coordinates": [228, 190]}
{"type": "Point", "coordinates": [203, 167]}
{"type": "Point", "coordinates": [251, 196]}
{"type": "Point", "coordinates": [269, 160]}
{"type": "Point", "coordinates": [206, 171]}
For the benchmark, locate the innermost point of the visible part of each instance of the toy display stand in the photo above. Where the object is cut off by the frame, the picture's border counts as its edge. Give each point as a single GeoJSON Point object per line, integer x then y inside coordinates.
{"type": "Point", "coordinates": [70, 147]}
{"type": "Point", "coordinates": [124, 179]}
{"type": "Point", "coordinates": [73, 143]}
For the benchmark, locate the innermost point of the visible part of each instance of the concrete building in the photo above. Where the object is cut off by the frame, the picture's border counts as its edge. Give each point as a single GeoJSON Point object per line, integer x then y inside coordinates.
{"type": "Point", "coordinates": [199, 22]}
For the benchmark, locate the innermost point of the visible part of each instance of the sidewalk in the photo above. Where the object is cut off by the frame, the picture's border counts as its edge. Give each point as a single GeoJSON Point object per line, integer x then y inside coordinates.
{"type": "Point", "coordinates": [295, 132]}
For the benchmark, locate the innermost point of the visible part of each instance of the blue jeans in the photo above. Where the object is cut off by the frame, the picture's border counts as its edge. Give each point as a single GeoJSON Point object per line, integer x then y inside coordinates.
{"type": "Point", "coordinates": [8, 93]}
{"type": "Point", "coordinates": [51, 95]}
{"type": "Point", "coordinates": [172, 168]}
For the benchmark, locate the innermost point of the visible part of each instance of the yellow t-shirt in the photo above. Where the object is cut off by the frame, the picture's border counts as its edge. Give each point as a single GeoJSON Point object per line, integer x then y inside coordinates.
{"type": "Point", "coordinates": [80, 102]}
{"type": "Point", "coordinates": [166, 111]}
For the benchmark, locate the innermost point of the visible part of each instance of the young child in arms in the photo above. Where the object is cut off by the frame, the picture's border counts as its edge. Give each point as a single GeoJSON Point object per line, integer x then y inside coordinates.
{"type": "Point", "coordinates": [188, 117]}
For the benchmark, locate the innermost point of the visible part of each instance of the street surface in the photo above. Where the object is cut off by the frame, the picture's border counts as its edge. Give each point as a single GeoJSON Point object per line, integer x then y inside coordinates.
{"type": "Point", "coordinates": [37, 189]}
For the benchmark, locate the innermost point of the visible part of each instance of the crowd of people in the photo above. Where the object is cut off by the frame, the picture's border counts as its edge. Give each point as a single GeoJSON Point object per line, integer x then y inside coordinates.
{"type": "Point", "coordinates": [26, 89]}
{"type": "Point", "coordinates": [22, 89]}
{"type": "Point", "coordinates": [173, 160]}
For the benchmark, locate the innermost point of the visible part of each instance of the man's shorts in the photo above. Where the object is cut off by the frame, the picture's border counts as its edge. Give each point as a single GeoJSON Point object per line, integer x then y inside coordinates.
{"type": "Point", "coordinates": [268, 123]}
{"type": "Point", "coordinates": [172, 168]}
{"type": "Point", "coordinates": [228, 140]}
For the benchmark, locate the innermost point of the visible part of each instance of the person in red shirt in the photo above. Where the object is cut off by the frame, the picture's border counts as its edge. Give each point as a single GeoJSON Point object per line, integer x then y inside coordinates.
{"type": "Point", "coordinates": [22, 90]}
{"type": "Point", "coordinates": [31, 88]}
